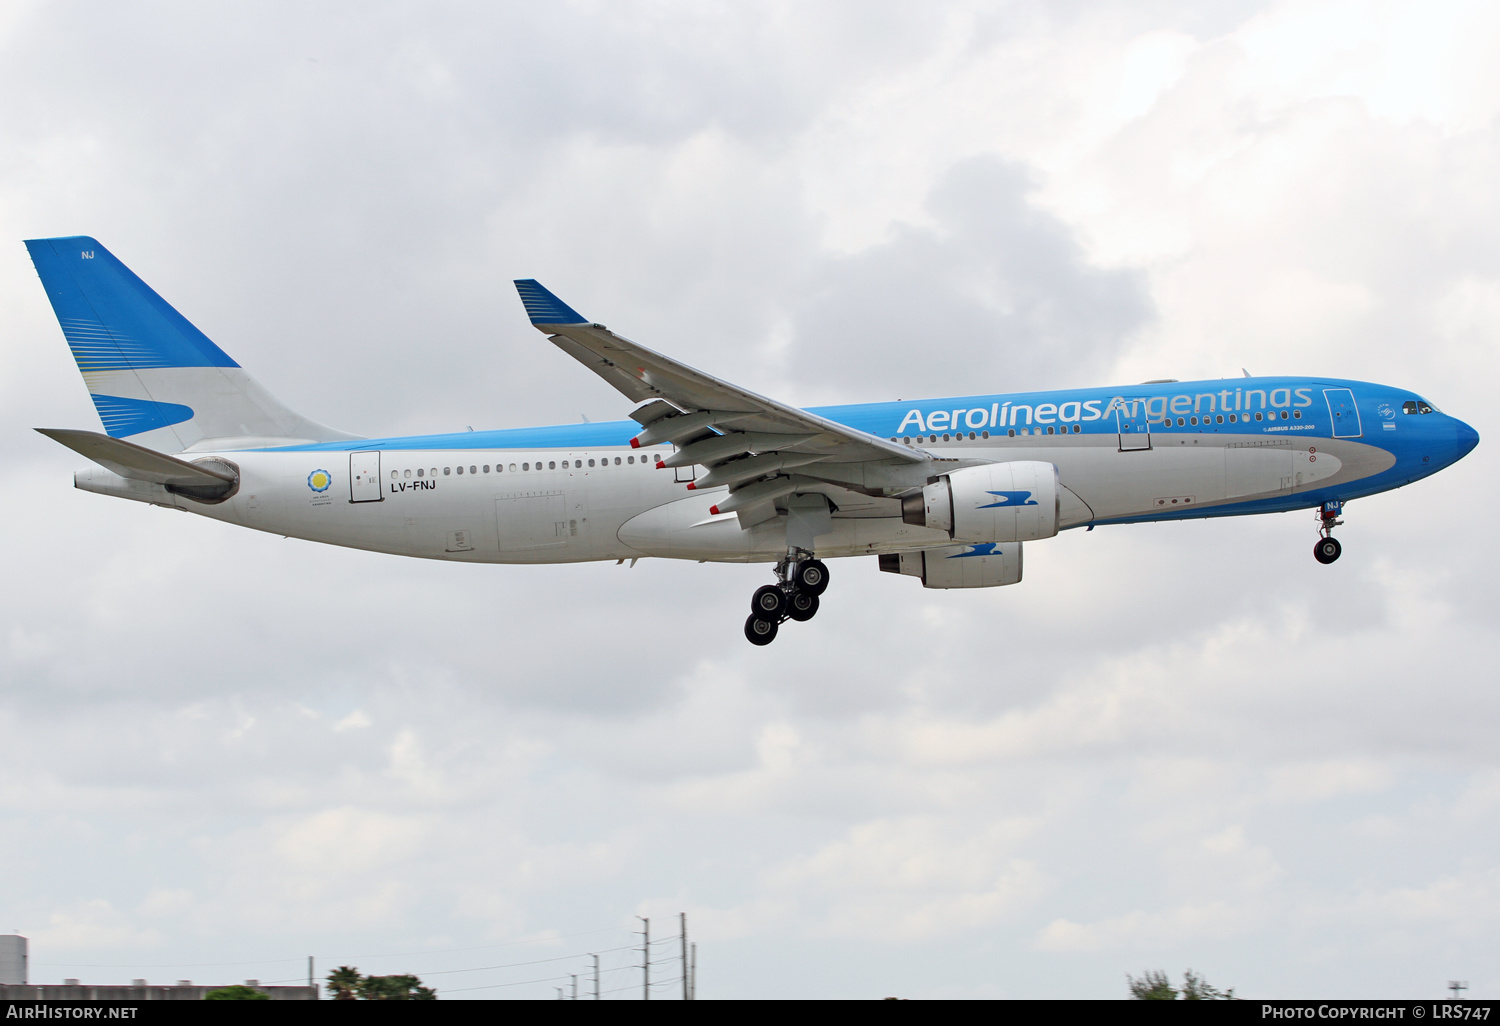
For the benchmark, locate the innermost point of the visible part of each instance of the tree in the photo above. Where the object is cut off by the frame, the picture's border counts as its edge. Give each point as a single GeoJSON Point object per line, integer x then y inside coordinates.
{"type": "Point", "coordinates": [238, 992]}
{"type": "Point", "coordinates": [395, 988]}
{"type": "Point", "coordinates": [344, 982]}
{"type": "Point", "coordinates": [347, 984]}
{"type": "Point", "coordinates": [1154, 985]}
{"type": "Point", "coordinates": [1196, 988]}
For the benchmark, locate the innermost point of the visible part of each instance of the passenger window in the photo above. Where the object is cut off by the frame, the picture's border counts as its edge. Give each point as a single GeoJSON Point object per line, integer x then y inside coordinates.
{"type": "Point", "coordinates": [553, 466]}
{"type": "Point", "coordinates": [1296, 414]}
{"type": "Point", "coordinates": [1010, 432]}
{"type": "Point", "coordinates": [1077, 429]}
{"type": "Point", "coordinates": [419, 471]}
{"type": "Point", "coordinates": [1283, 415]}
{"type": "Point", "coordinates": [591, 463]}
{"type": "Point", "coordinates": [473, 471]}
{"type": "Point", "coordinates": [512, 468]}
{"type": "Point", "coordinates": [1258, 416]}
{"type": "Point", "coordinates": [395, 474]}
{"type": "Point", "coordinates": [617, 461]}
{"type": "Point", "coordinates": [984, 434]}
{"type": "Point", "coordinates": [526, 466]}
{"type": "Point", "coordinates": [1193, 421]}
{"type": "Point", "coordinates": [460, 470]}
{"type": "Point", "coordinates": [406, 473]}
{"type": "Point", "coordinates": [448, 470]}
{"type": "Point", "coordinates": [1219, 419]}
{"type": "Point", "coordinates": [1179, 422]}
{"type": "Point", "coordinates": [432, 472]}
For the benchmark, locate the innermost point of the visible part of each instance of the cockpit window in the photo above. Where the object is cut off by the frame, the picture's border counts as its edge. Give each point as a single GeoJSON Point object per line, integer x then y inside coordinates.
{"type": "Point", "coordinates": [1423, 407]}
{"type": "Point", "coordinates": [1410, 406]}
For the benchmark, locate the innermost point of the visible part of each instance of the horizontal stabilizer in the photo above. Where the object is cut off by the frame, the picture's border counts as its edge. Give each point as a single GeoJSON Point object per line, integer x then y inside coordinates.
{"type": "Point", "coordinates": [141, 464]}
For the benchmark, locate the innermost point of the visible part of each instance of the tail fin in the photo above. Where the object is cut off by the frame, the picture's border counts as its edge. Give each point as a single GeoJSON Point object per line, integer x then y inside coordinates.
{"type": "Point", "coordinates": [155, 378]}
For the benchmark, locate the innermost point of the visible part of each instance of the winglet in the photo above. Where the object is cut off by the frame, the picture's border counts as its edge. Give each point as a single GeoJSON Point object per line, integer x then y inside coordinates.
{"type": "Point", "coordinates": [543, 307]}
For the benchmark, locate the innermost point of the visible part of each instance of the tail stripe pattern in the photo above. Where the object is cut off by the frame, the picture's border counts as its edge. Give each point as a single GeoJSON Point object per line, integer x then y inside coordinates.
{"type": "Point", "coordinates": [125, 417]}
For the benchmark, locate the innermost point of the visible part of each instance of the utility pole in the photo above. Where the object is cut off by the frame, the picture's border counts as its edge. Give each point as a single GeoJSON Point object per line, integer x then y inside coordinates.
{"type": "Point", "coordinates": [310, 982]}
{"type": "Point", "coordinates": [645, 959]}
{"type": "Point", "coordinates": [575, 986]}
{"type": "Point", "coordinates": [682, 921]}
{"type": "Point", "coordinates": [693, 994]}
{"type": "Point", "coordinates": [596, 977]}
{"type": "Point", "coordinates": [1456, 986]}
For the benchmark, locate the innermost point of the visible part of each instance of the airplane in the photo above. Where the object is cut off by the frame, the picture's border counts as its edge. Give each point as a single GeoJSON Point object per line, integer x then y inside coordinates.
{"type": "Point", "coordinates": [945, 490]}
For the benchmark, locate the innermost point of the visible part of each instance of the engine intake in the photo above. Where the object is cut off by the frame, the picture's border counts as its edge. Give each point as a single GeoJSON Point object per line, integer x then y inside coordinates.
{"type": "Point", "coordinates": [998, 502]}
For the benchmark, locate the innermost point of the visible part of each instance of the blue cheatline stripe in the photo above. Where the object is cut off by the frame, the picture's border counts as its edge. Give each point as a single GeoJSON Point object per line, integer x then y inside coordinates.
{"type": "Point", "coordinates": [111, 319]}
{"type": "Point", "coordinates": [124, 417]}
{"type": "Point", "coordinates": [543, 307]}
{"type": "Point", "coordinates": [562, 436]}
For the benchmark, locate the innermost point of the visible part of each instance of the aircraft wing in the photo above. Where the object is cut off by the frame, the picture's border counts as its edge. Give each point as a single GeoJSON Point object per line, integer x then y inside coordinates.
{"type": "Point", "coordinates": [745, 439]}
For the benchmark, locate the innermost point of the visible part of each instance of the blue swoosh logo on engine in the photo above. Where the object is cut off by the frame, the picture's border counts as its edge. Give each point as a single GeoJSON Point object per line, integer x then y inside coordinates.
{"type": "Point", "coordinates": [1010, 499]}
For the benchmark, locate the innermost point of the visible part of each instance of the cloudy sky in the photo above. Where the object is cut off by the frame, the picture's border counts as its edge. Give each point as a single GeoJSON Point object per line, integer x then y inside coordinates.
{"type": "Point", "coordinates": [1172, 746]}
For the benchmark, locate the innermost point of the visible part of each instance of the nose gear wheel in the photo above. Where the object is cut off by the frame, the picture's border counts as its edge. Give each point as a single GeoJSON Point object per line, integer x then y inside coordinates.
{"type": "Point", "coordinates": [1328, 548]}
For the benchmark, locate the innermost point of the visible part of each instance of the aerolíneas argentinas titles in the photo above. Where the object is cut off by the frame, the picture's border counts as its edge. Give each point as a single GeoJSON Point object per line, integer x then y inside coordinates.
{"type": "Point", "coordinates": [944, 490]}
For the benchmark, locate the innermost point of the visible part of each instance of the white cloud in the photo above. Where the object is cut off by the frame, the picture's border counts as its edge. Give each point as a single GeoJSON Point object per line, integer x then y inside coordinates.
{"type": "Point", "coordinates": [1171, 745]}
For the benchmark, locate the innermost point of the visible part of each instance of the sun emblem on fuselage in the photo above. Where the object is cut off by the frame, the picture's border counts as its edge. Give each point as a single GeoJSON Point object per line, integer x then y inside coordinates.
{"type": "Point", "coordinates": [319, 480]}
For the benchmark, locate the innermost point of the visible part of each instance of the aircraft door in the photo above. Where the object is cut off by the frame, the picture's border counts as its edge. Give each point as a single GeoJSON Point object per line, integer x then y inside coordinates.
{"type": "Point", "coordinates": [1344, 413]}
{"type": "Point", "coordinates": [1133, 425]}
{"type": "Point", "coordinates": [531, 520]}
{"type": "Point", "coordinates": [364, 476]}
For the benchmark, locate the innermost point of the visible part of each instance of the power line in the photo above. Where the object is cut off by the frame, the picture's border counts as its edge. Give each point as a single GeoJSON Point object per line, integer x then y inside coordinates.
{"type": "Point", "coordinates": [162, 965]}
{"type": "Point", "coordinates": [345, 958]}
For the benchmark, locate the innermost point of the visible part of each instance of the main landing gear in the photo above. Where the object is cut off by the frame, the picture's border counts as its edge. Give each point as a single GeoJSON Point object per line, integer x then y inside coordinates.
{"type": "Point", "coordinates": [1328, 548]}
{"type": "Point", "coordinates": [800, 580]}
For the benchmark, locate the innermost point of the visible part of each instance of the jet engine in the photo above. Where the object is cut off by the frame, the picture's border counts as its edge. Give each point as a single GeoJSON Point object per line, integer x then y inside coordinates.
{"type": "Point", "coordinates": [985, 565]}
{"type": "Point", "coordinates": [998, 502]}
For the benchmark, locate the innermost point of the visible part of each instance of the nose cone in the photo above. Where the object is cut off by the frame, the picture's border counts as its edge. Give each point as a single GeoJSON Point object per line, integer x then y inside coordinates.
{"type": "Point", "coordinates": [1464, 439]}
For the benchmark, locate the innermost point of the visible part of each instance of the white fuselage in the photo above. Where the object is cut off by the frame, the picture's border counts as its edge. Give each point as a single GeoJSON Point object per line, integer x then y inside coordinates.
{"type": "Point", "coordinates": [565, 505]}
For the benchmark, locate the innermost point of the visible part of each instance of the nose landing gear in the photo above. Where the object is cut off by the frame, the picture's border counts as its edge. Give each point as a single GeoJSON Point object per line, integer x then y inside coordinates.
{"type": "Point", "coordinates": [800, 580]}
{"type": "Point", "coordinates": [1328, 548]}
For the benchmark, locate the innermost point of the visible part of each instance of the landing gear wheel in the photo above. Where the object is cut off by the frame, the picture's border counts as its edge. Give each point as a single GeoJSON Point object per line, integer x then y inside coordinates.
{"type": "Point", "coordinates": [1327, 550]}
{"type": "Point", "coordinates": [769, 602]}
{"type": "Point", "coordinates": [811, 576]}
{"type": "Point", "coordinates": [760, 632]}
{"type": "Point", "coordinates": [802, 606]}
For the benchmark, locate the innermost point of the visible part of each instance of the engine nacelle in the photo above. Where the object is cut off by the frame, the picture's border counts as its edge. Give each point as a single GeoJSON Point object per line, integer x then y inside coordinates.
{"type": "Point", "coordinates": [998, 502]}
{"type": "Point", "coordinates": [985, 565]}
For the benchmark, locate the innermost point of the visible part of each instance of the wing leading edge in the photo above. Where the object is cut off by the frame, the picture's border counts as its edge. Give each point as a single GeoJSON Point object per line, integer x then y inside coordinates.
{"type": "Point", "coordinates": [762, 449]}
